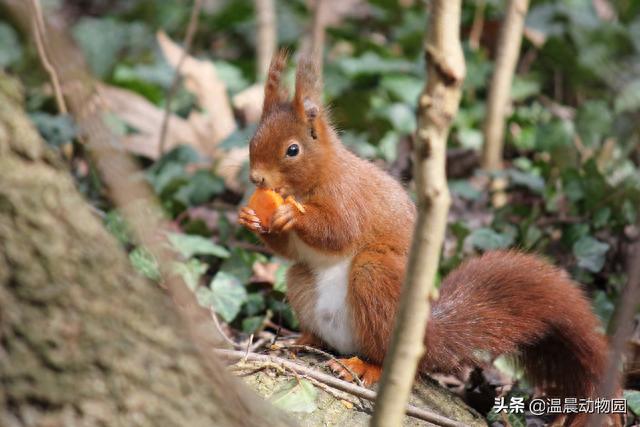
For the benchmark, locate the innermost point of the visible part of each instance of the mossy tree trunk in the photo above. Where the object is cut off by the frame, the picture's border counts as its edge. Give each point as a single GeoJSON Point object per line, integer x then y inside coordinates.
{"type": "Point", "coordinates": [83, 340]}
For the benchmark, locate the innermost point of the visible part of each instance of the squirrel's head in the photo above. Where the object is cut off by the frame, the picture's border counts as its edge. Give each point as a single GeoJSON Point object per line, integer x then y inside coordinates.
{"type": "Point", "coordinates": [293, 143]}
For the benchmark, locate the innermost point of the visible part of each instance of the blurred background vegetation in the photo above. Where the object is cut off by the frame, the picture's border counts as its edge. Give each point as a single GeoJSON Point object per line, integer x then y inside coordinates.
{"type": "Point", "coordinates": [571, 147]}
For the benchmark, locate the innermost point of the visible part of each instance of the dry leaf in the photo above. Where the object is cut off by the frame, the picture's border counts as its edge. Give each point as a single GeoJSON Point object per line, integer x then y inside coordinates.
{"type": "Point", "coordinates": [249, 103]}
{"type": "Point", "coordinates": [201, 79]}
{"type": "Point", "coordinates": [264, 272]}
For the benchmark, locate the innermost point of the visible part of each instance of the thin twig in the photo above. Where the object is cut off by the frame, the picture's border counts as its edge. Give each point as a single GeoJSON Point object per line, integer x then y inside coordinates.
{"type": "Point", "coordinates": [186, 46]}
{"type": "Point", "coordinates": [224, 336]}
{"type": "Point", "coordinates": [623, 331]}
{"type": "Point", "coordinates": [325, 354]}
{"type": "Point", "coordinates": [37, 22]}
{"type": "Point", "coordinates": [235, 355]}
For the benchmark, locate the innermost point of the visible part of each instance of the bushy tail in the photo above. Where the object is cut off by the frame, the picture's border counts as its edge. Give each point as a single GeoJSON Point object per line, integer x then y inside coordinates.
{"type": "Point", "coordinates": [506, 302]}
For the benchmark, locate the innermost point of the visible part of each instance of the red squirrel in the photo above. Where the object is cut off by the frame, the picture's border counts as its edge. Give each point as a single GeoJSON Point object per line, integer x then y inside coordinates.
{"type": "Point", "coordinates": [349, 250]}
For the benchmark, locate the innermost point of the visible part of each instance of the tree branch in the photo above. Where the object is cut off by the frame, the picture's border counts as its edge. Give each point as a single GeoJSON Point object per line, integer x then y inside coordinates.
{"type": "Point", "coordinates": [507, 58]}
{"type": "Point", "coordinates": [267, 36]}
{"type": "Point", "coordinates": [188, 39]}
{"type": "Point", "coordinates": [437, 107]}
{"type": "Point", "coordinates": [625, 312]}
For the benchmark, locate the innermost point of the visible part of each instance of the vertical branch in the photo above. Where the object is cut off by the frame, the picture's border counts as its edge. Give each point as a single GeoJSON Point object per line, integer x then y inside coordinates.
{"type": "Point", "coordinates": [188, 39]}
{"type": "Point", "coordinates": [37, 23]}
{"type": "Point", "coordinates": [478, 24]}
{"type": "Point", "coordinates": [623, 330]}
{"type": "Point", "coordinates": [318, 32]}
{"type": "Point", "coordinates": [267, 35]}
{"type": "Point", "coordinates": [507, 57]}
{"type": "Point", "coordinates": [437, 107]}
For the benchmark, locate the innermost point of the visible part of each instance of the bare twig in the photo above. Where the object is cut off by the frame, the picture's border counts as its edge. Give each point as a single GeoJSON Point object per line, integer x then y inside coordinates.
{"type": "Point", "coordinates": [438, 105]}
{"type": "Point", "coordinates": [39, 36]}
{"type": "Point", "coordinates": [318, 32]}
{"type": "Point", "coordinates": [224, 336]}
{"type": "Point", "coordinates": [325, 354]}
{"type": "Point", "coordinates": [623, 331]}
{"type": "Point", "coordinates": [475, 35]}
{"type": "Point", "coordinates": [235, 355]}
{"type": "Point", "coordinates": [188, 39]}
{"type": "Point", "coordinates": [508, 51]}
{"type": "Point", "coordinates": [266, 40]}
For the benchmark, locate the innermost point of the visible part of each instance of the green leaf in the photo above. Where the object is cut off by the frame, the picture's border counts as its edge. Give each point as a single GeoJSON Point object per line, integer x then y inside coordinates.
{"type": "Point", "coordinates": [225, 294]}
{"type": "Point", "coordinates": [200, 188]}
{"type": "Point", "coordinates": [532, 181]}
{"type": "Point", "coordinates": [593, 122]}
{"type": "Point", "coordinates": [239, 138]}
{"type": "Point", "coordinates": [603, 306]}
{"type": "Point", "coordinates": [188, 246]}
{"type": "Point", "coordinates": [296, 396]}
{"type": "Point", "coordinates": [488, 239]}
{"type": "Point", "coordinates": [101, 41]}
{"type": "Point", "coordinates": [190, 271]}
{"type": "Point", "coordinates": [629, 97]}
{"type": "Point", "coordinates": [470, 138]}
{"type": "Point", "coordinates": [524, 87]}
{"type": "Point", "coordinates": [252, 324]}
{"type": "Point", "coordinates": [405, 88]}
{"type": "Point", "coordinates": [463, 189]}
{"type": "Point", "coordinates": [145, 263]}
{"type": "Point", "coordinates": [372, 63]}
{"type": "Point", "coordinates": [402, 117]}
{"type": "Point", "coordinates": [633, 400]}
{"type": "Point", "coordinates": [231, 76]}
{"type": "Point", "coordinates": [117, 226]}
{"type": "Point", "coordinates": [11, 50]}
{"type": "Point", "coordinates": [255, 304]}
{"type": "Point", "coordinates": [281, 278]}
{"type": "Point", "coordinates": [590, 253]}
{"type": "Point", "coordinates": [55, 129]}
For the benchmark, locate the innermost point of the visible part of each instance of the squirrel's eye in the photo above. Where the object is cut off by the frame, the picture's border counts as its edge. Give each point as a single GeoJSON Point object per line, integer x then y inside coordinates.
{"type": "Point", "coordinates": [293, 150]}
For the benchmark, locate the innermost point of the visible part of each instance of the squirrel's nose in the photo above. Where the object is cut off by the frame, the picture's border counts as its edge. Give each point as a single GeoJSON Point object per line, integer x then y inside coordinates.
{"type": "Point", "coordinates": [256, 178]}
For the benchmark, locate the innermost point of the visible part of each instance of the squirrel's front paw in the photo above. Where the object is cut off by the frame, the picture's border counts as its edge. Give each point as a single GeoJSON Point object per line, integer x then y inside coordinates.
{"type": "Point", "coordinates": [250, 220]}
{"type": "Point", "coordinates": [283, 218]}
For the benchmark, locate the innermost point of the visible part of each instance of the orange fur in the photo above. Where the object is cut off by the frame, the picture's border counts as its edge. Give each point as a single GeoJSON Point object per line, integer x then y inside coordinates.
{"type": "Point", "coordinates": [501, 302]}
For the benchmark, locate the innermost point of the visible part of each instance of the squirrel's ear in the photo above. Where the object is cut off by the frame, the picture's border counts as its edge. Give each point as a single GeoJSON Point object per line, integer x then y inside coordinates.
{"type": "Point", "coordinates": [274, 92]}
{"type": "Point", "coordinates": [306, 101]}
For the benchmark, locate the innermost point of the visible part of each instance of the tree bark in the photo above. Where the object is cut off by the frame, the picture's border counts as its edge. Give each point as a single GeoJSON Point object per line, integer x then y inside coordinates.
{"type": "Point", "coordinates": [437, 107]}
{"type": "Point", "coordinates": [83, 340]}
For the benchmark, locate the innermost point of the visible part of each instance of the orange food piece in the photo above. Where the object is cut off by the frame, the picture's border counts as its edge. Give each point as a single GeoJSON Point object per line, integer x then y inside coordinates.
{"type": "Point", "coordinates": [264, 203]}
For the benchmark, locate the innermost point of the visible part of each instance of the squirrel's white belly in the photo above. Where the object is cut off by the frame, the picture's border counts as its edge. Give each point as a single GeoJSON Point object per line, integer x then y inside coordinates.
{"type": "Point", "coordinates": [331, 320]}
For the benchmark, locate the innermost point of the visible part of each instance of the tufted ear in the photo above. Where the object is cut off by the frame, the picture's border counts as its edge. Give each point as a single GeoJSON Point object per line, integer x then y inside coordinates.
{"type": "Point", "coordinates": [306, 101]}
{"type": "Point", "coordinates": [274, 91]}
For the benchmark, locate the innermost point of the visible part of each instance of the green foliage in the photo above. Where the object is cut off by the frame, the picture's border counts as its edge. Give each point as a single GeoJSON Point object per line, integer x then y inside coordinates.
{"type": "Point", "coordinates": [571, 137]}
{"type": "Point", "coordinates": [225, 294]}
{"type": "Point", "coordinates": [188, 246]}
{"type": "Point", "coordinates": [297, 395]}
{"type": "Point", "coordinates": [11, 51]}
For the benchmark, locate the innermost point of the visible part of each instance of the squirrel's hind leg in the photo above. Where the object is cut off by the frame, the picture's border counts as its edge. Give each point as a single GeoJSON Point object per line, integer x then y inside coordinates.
{"type": "Point", "coordinates": [374, 289]}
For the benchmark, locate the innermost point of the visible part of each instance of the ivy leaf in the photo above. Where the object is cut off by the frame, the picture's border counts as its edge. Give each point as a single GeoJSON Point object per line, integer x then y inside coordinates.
{"type": "Point", "coordinates": [225, 294]}
{"type": "Point", "coordinates": [281, 278]}
{"type": "Point", "coordinates": [190, 271]}
{"type": "Point", "coordinates": [188, 246]}
{"type": "Point", "coordinates": [296, 396]}
{"type": "Point", "coordinates": [633, 400]}
{"type": "Point", "coordinates": [144, 262]}
{"type": "Point", "coordinates": [590, 253]}
{"type": "Point", "coordinates": [11, 51]}
{"type": "Point", "coordinates": [489, 239]}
